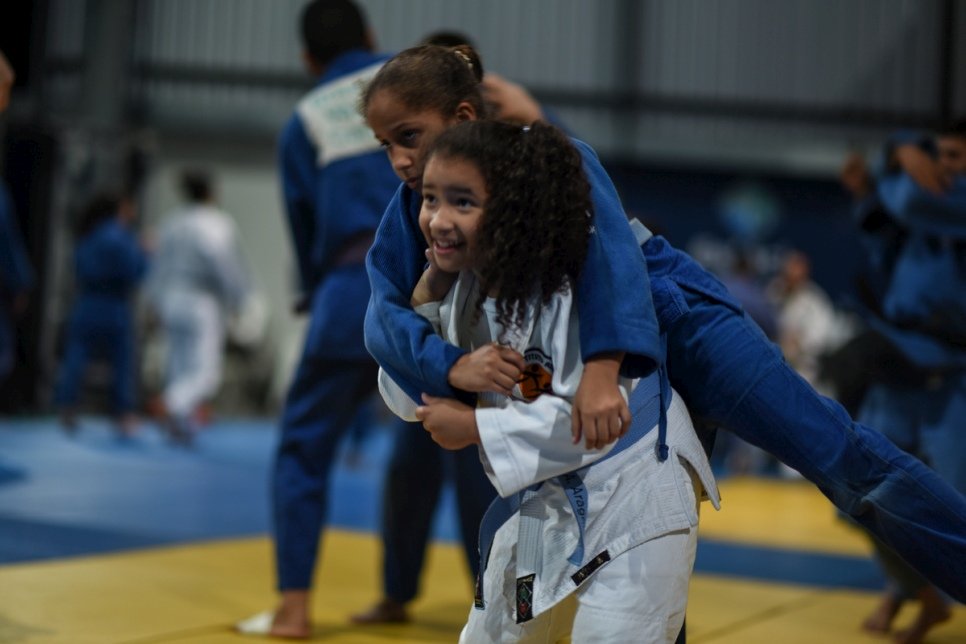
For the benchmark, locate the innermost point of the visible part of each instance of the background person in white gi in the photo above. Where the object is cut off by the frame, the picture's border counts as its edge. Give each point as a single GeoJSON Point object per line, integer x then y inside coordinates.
{"type": "Point", "coordinates": [598, 544]}
{"type": "Point", "coordinates": [198, 278]}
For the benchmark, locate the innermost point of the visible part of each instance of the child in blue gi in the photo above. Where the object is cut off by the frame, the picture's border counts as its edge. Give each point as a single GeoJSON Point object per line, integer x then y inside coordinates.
{"type": "Point", "coordinates": [109, 263]}
{"type": "Point", "coordinates": [595, 544]}
{"type": "Point", "coordinates": [914, 222]}
{"type": "Point", "coordinates": [635, 316]}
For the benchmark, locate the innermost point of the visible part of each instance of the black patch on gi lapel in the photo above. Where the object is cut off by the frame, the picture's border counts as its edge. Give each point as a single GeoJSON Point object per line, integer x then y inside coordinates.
{"type": "Point", "coordinates": [525, 598]}
{"type": "Point", "coordinates": [581, 575]}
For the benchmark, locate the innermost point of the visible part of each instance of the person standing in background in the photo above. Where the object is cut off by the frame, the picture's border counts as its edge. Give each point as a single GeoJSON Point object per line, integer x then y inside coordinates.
{"type": "Point", "coordinates": [336, 183]}
{"type": "Point", "coordinates": [16, 273]}
{"type": "Point", "coordinates": [912, 218]}
{"type": "Point", "coordinates": [109, 264]}
{"type": "Point", "coordinates": [197, 280]}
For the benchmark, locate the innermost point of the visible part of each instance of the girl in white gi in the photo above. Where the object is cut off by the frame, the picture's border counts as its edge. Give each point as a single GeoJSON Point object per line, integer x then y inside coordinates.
{"type": "Point", "coordinates": [595, 544]}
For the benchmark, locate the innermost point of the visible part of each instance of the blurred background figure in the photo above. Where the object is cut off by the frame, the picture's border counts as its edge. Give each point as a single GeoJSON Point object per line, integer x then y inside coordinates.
{"type": "Point", "coordinates": [109, 263]}
{"type": "Point", "coordinates": [197, 282]}
{"type": "Point", "coordinates": [336, 183]}
{"type": "Point", "coordinates": [808, 325]}
{"type": "Point", "coordinates": [16, 273]}
{"type": "Point", "coordinates": [912, 217]}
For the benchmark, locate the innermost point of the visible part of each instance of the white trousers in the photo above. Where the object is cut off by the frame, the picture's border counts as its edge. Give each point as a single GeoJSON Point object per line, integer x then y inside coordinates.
{"type": "Point", "coordinates": [638, 598]}
{"type": "Point", "coordinates": [194, 337]}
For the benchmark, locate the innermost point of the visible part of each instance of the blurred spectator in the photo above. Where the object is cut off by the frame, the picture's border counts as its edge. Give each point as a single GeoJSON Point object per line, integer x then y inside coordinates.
{"type": "Point", "coordinates": [912, 216]}
{"type": "Point", "coordinates": [16, 273]}
{"type": "Point", "coordinates": [109, 263]}
{"type": "Point", "coordinates": [807, 322]}
{"type": "Point", "coordinates": [198, 280]}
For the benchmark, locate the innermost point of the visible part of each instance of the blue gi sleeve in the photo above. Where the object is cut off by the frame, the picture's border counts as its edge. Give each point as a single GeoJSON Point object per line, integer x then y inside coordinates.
{"type": "Point", "coordinates": [403, 342]}
{"type": "Point", "coordinates": [915, 207]}
{"type": "Point", "coordinates": [297, 163]}
{"type": "Point", "coordinates": [16, 274]}
{"type": "Point", "coordinates": [614, 302]}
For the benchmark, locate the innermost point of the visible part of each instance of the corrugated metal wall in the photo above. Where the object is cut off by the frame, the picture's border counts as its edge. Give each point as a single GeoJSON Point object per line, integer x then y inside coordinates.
{"type": "Point", "coordinates": [738, 79]}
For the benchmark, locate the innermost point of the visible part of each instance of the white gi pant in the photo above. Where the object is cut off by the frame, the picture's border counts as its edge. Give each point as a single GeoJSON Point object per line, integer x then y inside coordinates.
{"type": "Point", "coordinates": [639, 597]}
{"type": "Point", "coordinates": [194, 333]}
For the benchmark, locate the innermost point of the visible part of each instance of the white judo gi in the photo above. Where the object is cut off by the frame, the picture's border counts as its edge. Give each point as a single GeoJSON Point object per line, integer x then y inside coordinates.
{"type": "Point", "coordinates": [622, 576]}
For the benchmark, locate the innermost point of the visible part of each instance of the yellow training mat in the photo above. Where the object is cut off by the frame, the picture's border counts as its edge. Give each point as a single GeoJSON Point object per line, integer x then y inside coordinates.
{"type": "Point", "coordinates": [193, 594]}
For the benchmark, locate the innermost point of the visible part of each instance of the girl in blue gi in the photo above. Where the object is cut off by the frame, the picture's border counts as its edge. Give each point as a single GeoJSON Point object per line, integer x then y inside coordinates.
{"type": "Point", "coordinates": [728, 373]}
{"type": "Point", "coordinates": [597, 542]}
{"type": "Point", "coordinates": [108, 265]}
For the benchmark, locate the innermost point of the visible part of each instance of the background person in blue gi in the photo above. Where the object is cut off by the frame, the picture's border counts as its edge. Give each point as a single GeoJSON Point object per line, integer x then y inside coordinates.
{"type": "Point", "coordinates": [109, 264]}
{"type": "Point", "coordinates": [914, 218]}
{"type": "Point", "coordinates": [417, 465]}
{"type": "Point", "coordinates": [197, 280]}
{"type": "Point", "coordinates": [505, 208]}
{"type": "Point", "coordinates": [16, 273]}
{"type": "Point", "coordinates": [336, 184]}
{"type": "Point", "coordinates": [727, 372]}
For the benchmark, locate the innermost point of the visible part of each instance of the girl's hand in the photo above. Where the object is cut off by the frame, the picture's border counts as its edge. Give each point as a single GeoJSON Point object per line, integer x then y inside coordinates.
{"type": "Point", "coordinates": [451, 423]}
{"type": "Point", "coordinates": [433, 284]}
{"type": "Point", "coordinates": [600, 413]}
{"type": "Point", "coordinates": [490, 368]}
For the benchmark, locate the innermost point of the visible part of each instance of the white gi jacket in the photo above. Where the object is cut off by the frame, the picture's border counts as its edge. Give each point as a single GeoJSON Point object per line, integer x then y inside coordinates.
{"type": "Point", "coordinates": [526, 439]}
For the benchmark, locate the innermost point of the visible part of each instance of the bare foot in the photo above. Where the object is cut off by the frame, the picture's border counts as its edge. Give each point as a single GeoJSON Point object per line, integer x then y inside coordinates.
{"type": "Point", "coordinates": [933, 612]}
{"type": "Point", "coordinates": [292, 617]}
{"type": "Point", "coordinates": [127, 425]}
{"type": "Point", "coordinates": [68, 421]}
{"type": "Point", "coordinates": [880, 621]}
{"type": "Point", "coordinates": [387, 611]}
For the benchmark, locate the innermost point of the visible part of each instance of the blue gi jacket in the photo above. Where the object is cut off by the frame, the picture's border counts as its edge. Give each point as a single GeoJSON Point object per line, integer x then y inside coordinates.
{"type": "Point", "coordinates": [108, 264]}
{"type": "Point", "coordinates": [614, 303]}
{"type": "Point", "coordinates": [336, 182]}
{"type": "Point", "coordinates": [919, 253]}
{"type": "Point", "coordinates": [16, 274]}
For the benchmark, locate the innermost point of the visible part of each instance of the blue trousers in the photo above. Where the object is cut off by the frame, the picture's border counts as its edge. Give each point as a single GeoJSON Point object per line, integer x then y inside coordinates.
{"type": "Point", "coordinates": [8, 340]}
{"type": "Point", "coordinates": [732, 377]}
{"type": "Point", "coordinates": [928, 421]}
{"type": "Point", "coordinates": [319, 409]}
{"type": "Point", "coordinates": [416, 473]}
{"type": "Point", "coordinates": [100, 334]}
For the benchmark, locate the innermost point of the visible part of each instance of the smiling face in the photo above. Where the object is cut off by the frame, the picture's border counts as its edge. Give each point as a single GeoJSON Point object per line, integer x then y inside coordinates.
{"type": "Point", "coordinates": [454, 198]}
{"type": "Point", "coordinates": [406, 134]}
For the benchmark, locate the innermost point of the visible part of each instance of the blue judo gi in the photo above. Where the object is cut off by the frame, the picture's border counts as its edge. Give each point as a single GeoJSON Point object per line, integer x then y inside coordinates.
{"type": "Point", "coordinates": [729, 374]}
{"type": "Point", "coordinates": [336, 184]}
{"type": "Point", "coordinates": [16, 277]}
{"type": "Point", "coordinates": [108, 265]}
{"type": "Point", "coordinates": [918, 255]}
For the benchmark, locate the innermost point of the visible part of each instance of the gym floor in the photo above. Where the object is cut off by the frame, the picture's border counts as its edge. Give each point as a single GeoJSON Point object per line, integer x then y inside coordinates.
{"type": "Point", "coordinates": [109, 541]}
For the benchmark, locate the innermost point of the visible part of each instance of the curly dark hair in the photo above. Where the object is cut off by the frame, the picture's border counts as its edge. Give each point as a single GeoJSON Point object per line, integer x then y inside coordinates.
{"type": "Point", "coordinates": [536, 224]}
{"type": "Point", "coordinates": [430, 77]}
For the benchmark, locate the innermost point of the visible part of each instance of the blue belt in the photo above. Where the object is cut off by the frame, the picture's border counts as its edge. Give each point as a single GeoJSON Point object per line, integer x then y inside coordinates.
{"type": "Point", "coordinates": [648, 404]}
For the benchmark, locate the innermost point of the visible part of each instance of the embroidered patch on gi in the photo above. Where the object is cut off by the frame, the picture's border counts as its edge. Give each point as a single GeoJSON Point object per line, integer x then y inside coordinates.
{"type": "Point", "coordinates": [537, 376]}
{"type": "Point", "coordinates": [525, 598]}
{"type": "Point", "coordinates": [595, 563]}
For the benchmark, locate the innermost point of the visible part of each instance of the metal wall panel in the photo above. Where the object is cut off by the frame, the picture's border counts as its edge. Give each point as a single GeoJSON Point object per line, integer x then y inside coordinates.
{"type": "Point", "coordinates": [637, 75]}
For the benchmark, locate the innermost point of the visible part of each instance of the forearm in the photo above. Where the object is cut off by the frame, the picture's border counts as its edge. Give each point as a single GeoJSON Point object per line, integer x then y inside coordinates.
{"type": "Point", "coordinates": [402, 341]}
{"type": "Point", "coordinates": [613, 292]}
